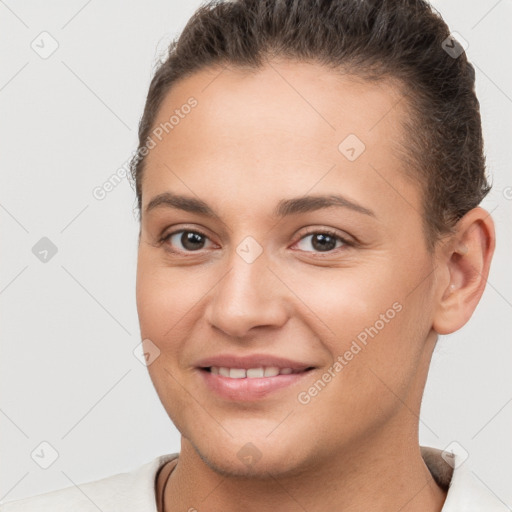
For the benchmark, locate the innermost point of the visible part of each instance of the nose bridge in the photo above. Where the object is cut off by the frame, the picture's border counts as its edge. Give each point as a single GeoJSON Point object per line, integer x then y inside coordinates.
{"type": "Point", "coordinates": [249, 294]}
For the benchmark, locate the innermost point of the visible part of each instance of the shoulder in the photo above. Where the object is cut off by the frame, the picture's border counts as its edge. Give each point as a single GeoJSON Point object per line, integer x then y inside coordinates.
{"type": "Point", "coordinates": [130, 491]}
{"type": "Point", "coordinates": [465, 491]}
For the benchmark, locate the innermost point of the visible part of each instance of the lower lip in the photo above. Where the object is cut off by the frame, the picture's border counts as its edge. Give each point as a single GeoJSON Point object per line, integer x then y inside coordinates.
{"type": "Point", "coordinates": [248, 389]}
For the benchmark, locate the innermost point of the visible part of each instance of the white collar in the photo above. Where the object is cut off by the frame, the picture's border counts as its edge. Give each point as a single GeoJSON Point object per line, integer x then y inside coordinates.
{"type": "Point", "coordinates": [466, 492]}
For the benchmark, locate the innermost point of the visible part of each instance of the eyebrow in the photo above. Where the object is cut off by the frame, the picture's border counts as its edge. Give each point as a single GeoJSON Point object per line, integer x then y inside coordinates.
{"type": "Point", "coordinates": [284, 208]}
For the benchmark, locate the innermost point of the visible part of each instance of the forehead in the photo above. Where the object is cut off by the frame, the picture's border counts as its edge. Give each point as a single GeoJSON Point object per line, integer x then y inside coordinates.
{"type": "Point", "coordinates": [282, 126]}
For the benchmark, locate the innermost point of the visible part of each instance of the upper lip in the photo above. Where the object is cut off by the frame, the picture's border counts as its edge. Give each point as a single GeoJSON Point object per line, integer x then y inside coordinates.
{"type": "Point", "coordinates": [251, 361]}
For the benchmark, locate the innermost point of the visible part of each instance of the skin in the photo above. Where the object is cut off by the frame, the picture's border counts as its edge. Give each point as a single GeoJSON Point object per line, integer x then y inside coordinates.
{"type": "Point", "coordinates": [254, 139]}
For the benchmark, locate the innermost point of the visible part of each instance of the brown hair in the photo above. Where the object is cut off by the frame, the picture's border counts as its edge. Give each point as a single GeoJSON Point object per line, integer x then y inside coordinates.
{"type": "Point", "coordinates": [371, 39]}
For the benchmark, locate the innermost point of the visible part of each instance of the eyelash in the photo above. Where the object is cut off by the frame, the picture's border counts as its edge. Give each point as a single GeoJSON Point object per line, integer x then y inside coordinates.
{"type": "Point", "coordinates": [331, 233]}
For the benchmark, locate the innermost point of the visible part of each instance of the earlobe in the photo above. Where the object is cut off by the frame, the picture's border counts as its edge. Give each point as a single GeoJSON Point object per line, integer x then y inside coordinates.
{"type": "Point", "coordinates": [467, 263]}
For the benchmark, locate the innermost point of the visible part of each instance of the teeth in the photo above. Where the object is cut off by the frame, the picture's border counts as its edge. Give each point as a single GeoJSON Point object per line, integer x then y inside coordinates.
{"type": "Point", "coordinates": [271, 371]}
{"type": "Point", "coordinates": [224, 371]}
{"type": "Point", "coordinates": [255, 372]}
{"type": "Point", "coordinates": [251, 373]}
{"type": "Point", "coordinates": [237, 373]}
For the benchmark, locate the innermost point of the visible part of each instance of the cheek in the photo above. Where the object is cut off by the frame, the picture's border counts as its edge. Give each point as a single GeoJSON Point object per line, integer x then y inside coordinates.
{"type": "Point", "coordinates": [376, 361]}
{"type": "Point", "coordinates": [345, 301]}
{"type": "Point", "coordinates": [374, 327]}
{"type": "Point", "coordinates": [163, 301]}
{"type": "Point", "coordinates": [165, 296]}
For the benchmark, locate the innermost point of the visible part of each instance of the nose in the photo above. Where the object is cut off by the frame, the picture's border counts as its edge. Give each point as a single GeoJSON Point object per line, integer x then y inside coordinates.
{"type": "Point", "coordinates": [249, 295]}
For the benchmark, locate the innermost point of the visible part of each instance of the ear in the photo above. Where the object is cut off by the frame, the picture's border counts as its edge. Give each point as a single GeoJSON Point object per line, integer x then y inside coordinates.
{"type": "Point", "coordinates": [464, 260]}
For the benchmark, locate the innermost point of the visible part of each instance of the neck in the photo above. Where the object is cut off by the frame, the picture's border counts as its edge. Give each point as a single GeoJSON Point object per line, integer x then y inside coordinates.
{"type": "Point", "coordinates": [381, 476]}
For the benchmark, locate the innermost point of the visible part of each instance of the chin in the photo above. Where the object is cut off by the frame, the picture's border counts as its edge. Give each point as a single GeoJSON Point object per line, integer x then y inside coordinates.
{"type": "Point", "coordinates": [258, 459]}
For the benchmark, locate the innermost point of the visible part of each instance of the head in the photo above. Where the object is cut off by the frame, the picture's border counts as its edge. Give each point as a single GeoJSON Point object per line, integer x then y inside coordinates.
{"type": "Point", "coordinates": [308, 179]}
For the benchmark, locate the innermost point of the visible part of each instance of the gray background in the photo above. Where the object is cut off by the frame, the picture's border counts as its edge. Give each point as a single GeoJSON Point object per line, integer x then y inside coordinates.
{"type": "Point", "coordinates": [69, 326]}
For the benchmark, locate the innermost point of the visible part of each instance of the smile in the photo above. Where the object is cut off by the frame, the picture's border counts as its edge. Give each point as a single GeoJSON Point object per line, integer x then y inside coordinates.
{"type": "Point", "coordinates": [251, 384]}
{"type": "Point", "coordinates": [251, 373]}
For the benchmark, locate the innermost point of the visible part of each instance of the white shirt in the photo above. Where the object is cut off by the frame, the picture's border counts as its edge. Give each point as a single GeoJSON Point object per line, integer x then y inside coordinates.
{"type": "Point", "coordinates": [135, 491]}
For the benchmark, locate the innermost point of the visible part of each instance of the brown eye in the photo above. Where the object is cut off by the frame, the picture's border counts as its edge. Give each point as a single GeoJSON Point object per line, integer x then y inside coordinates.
{"type": "Point", "coordinates": [186, 241]}
{"type": "Point", "coordinates": [321, 241]}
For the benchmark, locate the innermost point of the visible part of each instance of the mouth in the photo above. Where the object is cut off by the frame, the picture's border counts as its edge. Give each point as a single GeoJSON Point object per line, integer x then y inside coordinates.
{"type": "Point", "coordinates": [254, 373]}
{"type": "Point", "coordinates": [251, 384]}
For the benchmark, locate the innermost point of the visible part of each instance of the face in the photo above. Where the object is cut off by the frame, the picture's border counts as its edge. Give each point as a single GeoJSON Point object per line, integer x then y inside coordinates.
{"type": "Point", "coordinates": [279, 232]}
